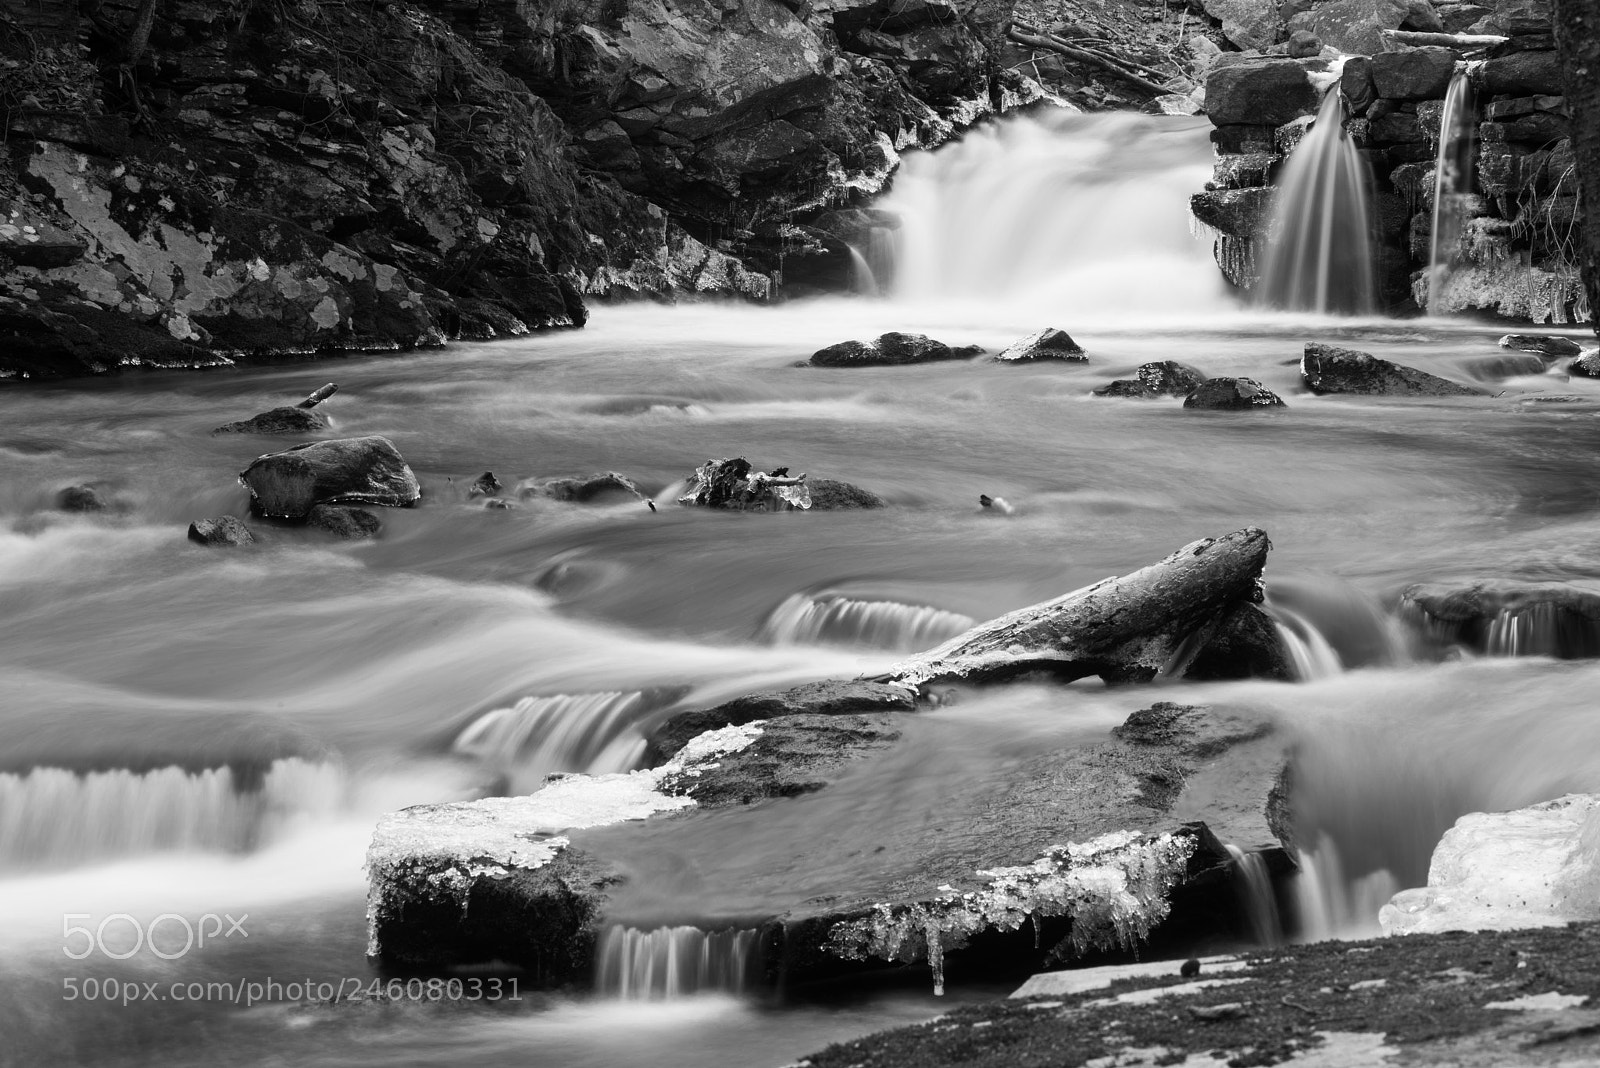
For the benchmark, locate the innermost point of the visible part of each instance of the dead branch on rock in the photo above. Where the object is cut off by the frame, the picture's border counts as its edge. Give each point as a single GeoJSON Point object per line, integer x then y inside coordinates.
{"type": "Point", "coordinates": [1463, 41]}
{"type": "Point", "coordinates": [1084, 55]}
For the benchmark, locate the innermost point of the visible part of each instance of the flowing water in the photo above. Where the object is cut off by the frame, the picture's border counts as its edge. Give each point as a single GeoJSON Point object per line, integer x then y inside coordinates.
{"type": "Point", "coordinates": [189, 733]}
{"type": "Point", "coordinates": [1452, 185]}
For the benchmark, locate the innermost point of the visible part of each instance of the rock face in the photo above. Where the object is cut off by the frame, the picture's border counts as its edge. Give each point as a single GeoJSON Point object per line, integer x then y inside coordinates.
{"type": "Point", "coordinates": [1262, 92]}
{"type": "Point", "coordinates": [278, 421]}
{"type": "Point", "coordinates": [734, 484]}
{"type": "Point", "coordinates": [1046, 344]}
{"type": "Point", "coordinates": [1165, 378]}
{"type": "Point", "coordinates": [888, 350]}
{"type": "Point", "coordinates": [1327, 369]}
{"type": "Point", "coordinates": [1533, 867]}
{"type": "Point", "coordinates": [227, 530]}
{"type": "Point", "coordinates": [1232, 394]}
{"type": "Point", "coordinates": [1507, 619]}
{"type": "Point", "coordinates": [369, 470]}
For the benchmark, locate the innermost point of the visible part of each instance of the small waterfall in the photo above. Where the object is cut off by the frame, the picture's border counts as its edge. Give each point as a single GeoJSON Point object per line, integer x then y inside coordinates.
{"type": "Point", "coordinates": [1313, 655]}
{"type": "Point", "coordinates": [1537, 630]}
{"type": "Point", "coordinates": [832, 619]}
{"type": "Point", "coordinates": [863, 282]}
{"type": "Point", "coordinates": [1330, 905]}
{"type": "Point", "coordinates": [1452, 185]}
{"type": "Point", "coordinates": [52, 816]}
{"type": "Point", "coordinates": [1257, 895]}
{"type": "Point", "coordinates": [1558, 622]}
{"type": "Point", "coordinates": [541, 736]}
{"type": "Point", "coordinates": [673, 962]}
{"type": "Point", "coordinates": [1319, 257]}
{"type": "Point", "coordinates": [1331, 626]}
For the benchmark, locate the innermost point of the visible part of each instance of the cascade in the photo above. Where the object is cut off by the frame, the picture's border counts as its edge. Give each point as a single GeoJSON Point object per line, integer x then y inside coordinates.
{"type": "Point", "coordinates": [1330, 905]}
{"type": "Point", "coordinates": [1257, 895]}
{"type": "Point", "coordinates": [673, 962]}
{"type": "Point", "coordinates": [1452, 185]}
{"type": "Point", "coordinates": [540, 736]}
{"type": "Point", "coordinates": [1319, 256]}
{"type": "Point", "coordinates": [832, 619]}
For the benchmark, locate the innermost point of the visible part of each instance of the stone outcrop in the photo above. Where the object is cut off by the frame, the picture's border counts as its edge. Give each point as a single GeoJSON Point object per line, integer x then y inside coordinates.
{"type": "Point", "coordinates": [366, 470]}
{"type": "Point", "coordinates": [1328, 369]}
{"type": "Point", "coordinates": [891, 350]}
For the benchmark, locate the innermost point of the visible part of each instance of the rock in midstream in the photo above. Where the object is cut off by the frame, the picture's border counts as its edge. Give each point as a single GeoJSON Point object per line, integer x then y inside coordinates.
{"type": "Point", "coordinates": [367, 470]}
{"type": "Point", "coordinates": [1327, 369]}
{"type": "Point", "coordinates": [891, 349]}
{"type": "Point", "coordinates": [733, 483]}
{"type": "Point", "coordinates": [1163, 378]}
{"type": "Point", "coordinates": [1232, 394]}
{"type": "Point", "coordinates": [581, 490]}
{"type": "Point", "coordinates": [1046, 344]}
{"type": "Point", "coordinates": [227, 530]}
{"type": "Point", "coordinates": [1543, 344]}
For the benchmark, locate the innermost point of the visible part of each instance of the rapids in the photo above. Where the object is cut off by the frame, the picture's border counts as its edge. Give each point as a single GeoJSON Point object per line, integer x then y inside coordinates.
{"type": "Point", "coordinates": [186, 731]}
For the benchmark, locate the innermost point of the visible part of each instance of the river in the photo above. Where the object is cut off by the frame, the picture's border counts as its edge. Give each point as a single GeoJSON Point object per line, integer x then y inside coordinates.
{"type": "Point", "coordinates": [228, 725]}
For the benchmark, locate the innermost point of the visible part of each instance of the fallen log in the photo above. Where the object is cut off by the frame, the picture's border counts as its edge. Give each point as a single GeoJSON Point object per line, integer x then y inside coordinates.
{"type": "Point", "coordinates": [1085, 56]}
{"type": "Point", "coordinates": [1127, 629]}
{"type": "Point", "coordinates": [319, 395]}
{"type": "Point", "coordinates": [1448, 40]}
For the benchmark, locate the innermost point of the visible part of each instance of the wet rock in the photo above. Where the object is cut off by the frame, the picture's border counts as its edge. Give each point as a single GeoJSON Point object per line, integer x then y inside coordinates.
{"type": "Point", "coordinates": [1495, 368]}
{"type": "Point", "coordinates": [834, 697]}
{"type": "Point", "coordinates": [1587, 365]}
{"type": "Point", "coordinates": [81, 499]}
{"type": "Point", "coordinates": [368, 470]}
{"type": "Point", "coordinates": [1247, 23]}
{"type": "Point", "coordinates": [278, 421]}
{"type": "Point", "coordinates": [891, 349]}
{"type": "Point", "coordinates": [485, 485]}
{"type": "Point", "coordinates": [1413, 73]}
{"type": "Point", "coordinates": [1327, 369]}
{"type": "Point", "coordinates": [1246, 645]}
{"type": "Point", "coordinates": [831, 495]}
{"type": "Point", "coordinates": [1267, 92]}
{"type": "Point", "coordinates": [344, 521]}
{"type": "Point", "coordinates": [1522, 74]}
{"type": "Point", "coordinates": [1046, 344]}
{"type": "Point", "coordinates": [1543, 344]}
{"type": "Point", "coordinates": [1232, 394]}
{"type": "Point", "coordinates": [29, 239]}
{"type": "Point", "coordinates": [1506, 619]}
{"type": "Point", "coordinates": [225, 530]}
{"type": "Point", "coordinates": [1354, 27]}
{"type": "Point", "coordinates": [735, 484]}
{"type": "Point", "coordinates": [583, 490]}
{"type": "Point", "coordinates": [1355, 82]}
{"type": "Point", "coordinates": [1164, 378]}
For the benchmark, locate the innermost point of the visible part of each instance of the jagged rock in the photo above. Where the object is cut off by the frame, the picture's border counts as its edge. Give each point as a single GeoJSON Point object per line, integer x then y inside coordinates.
{"type": "Point", "coordinates": [1507, 618]}
{"type": "Point", "coordinates": [1232, 394]}
{"type": "Point", "coordinates": [733, 483]}
{"type": "Point", "coordinates": [1531, 867]}
{"type": "Point", "coordinates": [81, 499]}
{"type": "Point", "coordinates": [1247, 23]}
{"type": "Point", "coordinates": [1267, 92]}
{"type": "Point", "coordinates": [1164, 378]}
{"type": "Point", "coordinates": [891, 349]}
{"type": "Point", "coordinates": [835, 697]}
{"type": "Point", "coordinates": [1521, 74]}
{"type": "Point", "coordinates": [225, 530]}
{"type": "Point", "coordinates": [1543, 344]}
{"type": "Point", "coordinates": [1046, 344]}
{"type": "Point", "coordinates": [344, 521]}
{"type": "Point", "coordinates": [1327, 369]}
{"type": "Point", "coordinates": [1246, 645]}
{"type": "Point", "coordinates": [582, 490]}
{"type": "Point", "coordinates": [278, 421]}
{"type": "Point", "coordinates": [1587, 365]}
{"type": "Point", "coordinates": [368, 470]}
{"type": "Point", "coordinates": [1413, 73]}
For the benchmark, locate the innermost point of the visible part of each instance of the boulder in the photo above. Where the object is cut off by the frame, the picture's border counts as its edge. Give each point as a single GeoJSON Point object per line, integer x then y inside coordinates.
{"type": "Point", "coordinates": [891, 349]}
{"type": "Point", "coordinates": [344, 521]}
{"type": "Point", "coordinates": [278, 421]}
{"type": "Point", "coordinates": [1232, 394]}
{"type": "Point", "coordinates": [1163, 378]}
{"type": "Point", "coordinates": [1247, 23]}
{"type": "Point", "coordinates": [1413, 73]}
{"type": "Point", "coordinates": [734, 484]}
{"type": "Point", "coordinates": [1521, 74]}
{"type": "Point", "coordinates": [582, 490]}
{"type": "Point", "coordinates": [368, 470]}
{"type": "Point", "coordinates": [831, 495]}
{"type": "Point", "coordinates": [1355, 82]}
{"type": "Point", "coordinates": [1506, 618]}
{"type": "Point", "coordinates": [1246, 645]}
{"type": "Point", "coordinates": [225, 530]}
{"type": "Point", "coordinates": [1327, 369]}
{"type": "Point", "coordinates": [1532, 867]}
{"type": "Point", "coordinates": [1543, 344]}
{"type": "Point", "coordinates": [1587, 365]}
{"type": "Point", "coordinates": [1354, 27]}
{"type": "Point", "coordinates": [834, 697]}
{"type": "Point", "coordinates": [1266, 92]}
{"type": "Point", "coordinates": [1046, 344]}
{"type": "Point", "coordinates": [485, 485]}
{"type": "Point", "coordinates": [81, 499]}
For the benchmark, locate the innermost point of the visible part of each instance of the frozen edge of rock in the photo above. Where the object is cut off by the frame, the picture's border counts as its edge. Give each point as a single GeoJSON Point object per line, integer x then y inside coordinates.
{"type": "Point", "coordinates": [437, 852]}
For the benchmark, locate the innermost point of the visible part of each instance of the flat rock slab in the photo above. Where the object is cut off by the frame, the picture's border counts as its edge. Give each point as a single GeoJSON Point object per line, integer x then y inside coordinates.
{"type": "Point", "coordinates": [1327, 369]}
{"type": "Point", "coordinates": [832, 697]}
{"type": "Point", "coordinates": [1519, 999]}
{"type": "Point", "coordinates": [367, 470]}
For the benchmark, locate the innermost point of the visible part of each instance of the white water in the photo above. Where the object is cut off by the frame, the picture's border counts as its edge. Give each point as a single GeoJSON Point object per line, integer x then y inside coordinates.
{"type": "Point", "coordinates": [674, 962]}
{"type": "Point", "coordinates": [540, 736]}
{"type": "Point", "coordinates": [1257, 896]}
{"type": "Point", "coordinates": [1452, 185]}
{"type": "Point", "coordinates": [833, 619]}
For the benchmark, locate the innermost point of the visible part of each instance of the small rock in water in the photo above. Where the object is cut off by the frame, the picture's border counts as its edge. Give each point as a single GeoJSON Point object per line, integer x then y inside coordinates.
{"type": "Point", "coordinates": [1328, 369]}
{"type": "Point", "coordinates": [1542, 344]}
{"type": "Point", "coordinates": [497, 503]}
{"type": "Point", "coordinates": [1190, 969]}
{"type": "Point", "coordinates": [1163, 378]}
{"type": "Point", "coordinates": [1587, 365]}
{"type": "Point", "coordinates": [995, 504]}
{"type": "Point", "coordinates": [1232, 394]}
{"type": "Point", "coordinates": [485, 486]}
{"type": "Point", "coordinates": [224, 530]}
{"type": "Point", "coordinates": [891, 349]}
{"type": "Point", "coordinates": [1046, 344]}
{"type": "Point", "coordinates": [369, 470]}
{"type": "Point", "coordinates": [80, 499]}
{"type": "Point", "coordinates": [831, 495]}
{"type": "Point", "coordinates": [733, 483]}
{"type": "Point", "coordinates": [278, 421]}
{"type": "Point", "coordinates": [346, 522]}
{"type": "Point", "coordinates": [581, 490]}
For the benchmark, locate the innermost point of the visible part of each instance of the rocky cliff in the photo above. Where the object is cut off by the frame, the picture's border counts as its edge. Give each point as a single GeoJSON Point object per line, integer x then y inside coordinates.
{"type": "Point", "coordinates": [188, 182]}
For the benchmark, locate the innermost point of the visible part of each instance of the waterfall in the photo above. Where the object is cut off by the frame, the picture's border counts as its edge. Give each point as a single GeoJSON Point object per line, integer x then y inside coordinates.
{"type": "Point", "coordinates": [1319, 256]}
{"type": "Point", "coordinates": [863, 282]}
{"type": "Point", "coordinates": [1452, 185]}
{"type": "Point", "coordinates": [1257, 895]}
{"type": "Point", "coordinates": [832, 619]}
{"type": "Point", "coordinates": [673, 962]}
{"type": "Point", "coordinates": [56, 815]}
{"type": "Point", "coordinates": [541, 736]}
{"type": "Point", "coordinates": [1328, 904]}
{"type": "Point", "coordinates": [1313, 655]}
{"type": "Point", "coordinates": [1557, 623]}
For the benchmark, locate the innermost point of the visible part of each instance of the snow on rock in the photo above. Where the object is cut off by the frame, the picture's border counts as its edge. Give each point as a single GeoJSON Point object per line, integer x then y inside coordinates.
{"type": "Point", "coordinates": [1532, 867]}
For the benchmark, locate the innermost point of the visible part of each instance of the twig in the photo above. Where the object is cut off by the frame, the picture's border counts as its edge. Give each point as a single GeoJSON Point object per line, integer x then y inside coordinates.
{"type": "Point", "coordinates": [1296, 1005]}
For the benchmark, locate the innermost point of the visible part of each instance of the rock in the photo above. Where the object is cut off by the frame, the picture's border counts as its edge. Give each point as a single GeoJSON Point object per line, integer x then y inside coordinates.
{"type": "Point", "coordinates": [1046, 344]}
{"type": "Point", "coordinates": [1246, 645]}
{"type": "Point", "coordinates": [734, 484]}
{"type": "Point", "coordinates": [368, 470]}
{"type": "Point", "coordinates": [1506, 619]}
{"type": "Point", "coordinates": [225, 530]}
{"type": "Point", "coordinates": [278, 421]}
{"type": "Point", "coordinates": [29, 239]}
{"type": "Point", "coordinates": [1327, 369]}
{"type": "Point", "coordinates": [1543, 344]}
{"type": "Point", "coordinates": [1354, 27]}
{"type": "Point", "coordinates": [1413, 73]}
{"type": "Point", "coordinates": [1232, 394]}
{"type": "Point", "coordinates": [1587, 365]}
{"type": "Point", "coordinates": [1355, 82]}
{"type": "Point", "coordinates": [1531, 867]}
{"type": "Point", "coordinates": [1267, 92]}
{"type": "Point", "coordinates": [583, 490]}
{"type": "Point", "coordinates": [1422, 17]}
{"type": "Point", "coordinates": [1237, 212]}
{"type": "Point", "coordinates": [344, 521]}
{"type": "Point", "coordinates": [81, 499]}
{"type": "Point", "coordinates": [1247, 23]}
{"type": "Point", "coordinates": [834, 697]}
{"type": "Point", "coordinates": [831, 495]}
{"type": "Point", "coordinates": [891, 349]}
{"type": "Point", "coordinates": [1165, 378]}
{"type": "Point", "coordinates": [1521, 74]}
{"type": "Point", "coordinates": [485, 485]}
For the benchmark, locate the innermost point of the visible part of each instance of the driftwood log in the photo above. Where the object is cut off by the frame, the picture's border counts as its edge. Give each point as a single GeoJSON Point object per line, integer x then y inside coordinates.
{"type": "Point", "coordinates": [319, 395]}
{"type": "Point", "coordinates": [1449, 40]}
{"type": "Point", "coordinates": [1127, 629]}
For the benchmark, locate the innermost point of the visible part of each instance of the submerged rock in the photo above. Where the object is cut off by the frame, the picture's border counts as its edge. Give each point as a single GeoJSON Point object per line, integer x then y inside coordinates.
{"type": "Point", "coordinates": [1543, 344]}
{"type": "Point", "coordinates": [344, 521]}
{"type": "Point", "coordinates": [1232, 394]}
{"type": "Point", "coordinates": [734, 484]}
{"type": "Point", "coordinates": [278, 421]}
{"type": "Point", "coordinates": [582, 490]}
{"type": "Point", "coordinates": [225, 530]}
{"type": "Point", "coordinates": [1046, 344]}
{"type": "Point", "coordinates": [1163, 378]}
{"type": "Point", "coordinates": [81, 499]}
{"type": "Point", "coordinates": [368, 470]}
{"type": "Point", "coordinates": [891, 349]}
{"type": "Point", "coordinates": [833, 697]}
{"type": "Point", "coordinates": [1327, 369]}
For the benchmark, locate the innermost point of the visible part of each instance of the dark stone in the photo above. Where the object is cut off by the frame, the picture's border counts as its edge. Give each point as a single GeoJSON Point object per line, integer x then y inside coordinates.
{"type": "Point", "coordinates": [278, 421]}
{"type": "Point", "coordinates": [1355, 81]}
{"type": "Point", "coordinates": [585, 490]}
{"type": "Point", "coordinates": [1521, 74]}
{"type": "Point", "coordinates": [1266, 92]}
{"type": "Point", "coordinates": [1543, 344]}
{"type": "Point", "coordinates": [1193, 730]}
{"type": "Point", "coordinates": [485, 485]}
{"type": "Point", "coordinates": [834, 697]}
{"type": "Point", "coordinates": [368, 470]}
{"type": "Point", "coordinates": [831, 495]}
{"type": "Point", "coordinates": [1413, 73]}
{"type": "Point", "coordinates": [1245, 139]}
{"type": "Point", "coordinates": [1398, 128]}
{"type": "Point", "coordinates": [1327, 369]}
{"type": "Point", "coordinates": [891, 349]}
{"type": "Point", "coordinates": [1164, 378]}
{"type": "Point", "coordinates": [1586, 366]}
{"type": "Point", "coordinates": [1422, 18]}
{"type": "Point", "coordinates": [344, 521]}
{"type": "Point", "coordinates": [1235, 212]}
{"type": "Point", "coordinates": [1046, 344]}
{"type": "Point", "coordinates": [80, 499]}
{"type": "Point", "coordinates": [796, 755]}
{"type": "Point", "coordinates": [1303, 44]}
{"type": "Point", "coordinates": [1246, 645]}
{"type": "Point", "coordinates": [224, 530]}
{"type": "Point", "coordinates": [1232, 394]}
